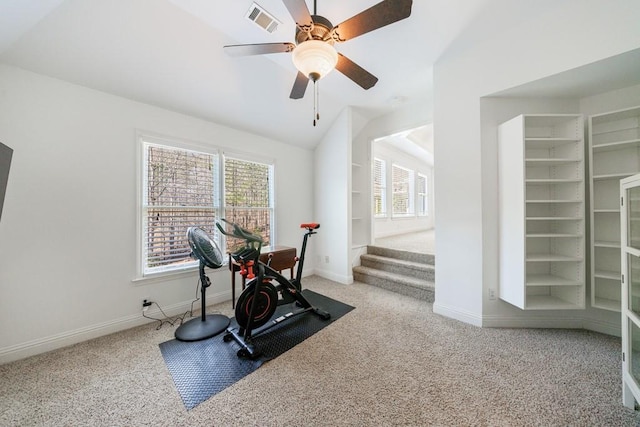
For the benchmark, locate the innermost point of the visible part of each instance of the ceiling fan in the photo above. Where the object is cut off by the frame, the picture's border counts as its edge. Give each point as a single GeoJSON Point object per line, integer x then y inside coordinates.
{"type": "Point", "coordinates": [313, 52]}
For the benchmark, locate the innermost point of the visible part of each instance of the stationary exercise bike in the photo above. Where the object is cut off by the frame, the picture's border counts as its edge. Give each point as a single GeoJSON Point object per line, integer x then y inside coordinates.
{"type": "Point", "coordinates": [259, 300]}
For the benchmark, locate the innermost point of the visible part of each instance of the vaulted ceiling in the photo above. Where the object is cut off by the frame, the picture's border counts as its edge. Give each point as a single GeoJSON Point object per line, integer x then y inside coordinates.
{"type": "Point", "coordinates": [169, 53]}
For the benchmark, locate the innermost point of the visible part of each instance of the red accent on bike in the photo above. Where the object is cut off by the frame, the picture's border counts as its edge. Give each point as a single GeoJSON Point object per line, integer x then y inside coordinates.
{"type": "Point", "coordinates": [250, 274]}
{"type": "Point", "coordinates": [310, 226]}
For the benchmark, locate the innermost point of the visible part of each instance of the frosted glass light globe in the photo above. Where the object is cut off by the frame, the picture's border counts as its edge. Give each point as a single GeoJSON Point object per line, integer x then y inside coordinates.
{"type": "Point", "coordinates": [315, 58]}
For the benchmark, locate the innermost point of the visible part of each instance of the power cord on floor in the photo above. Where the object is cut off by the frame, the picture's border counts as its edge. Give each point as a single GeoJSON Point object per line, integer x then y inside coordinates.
{"type": "Point", "coordinates": [172, 321]}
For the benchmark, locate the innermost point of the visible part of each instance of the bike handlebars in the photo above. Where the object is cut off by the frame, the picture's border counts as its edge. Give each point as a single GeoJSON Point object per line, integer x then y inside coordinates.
{"type": "Point", "coordinates": [240, 233]}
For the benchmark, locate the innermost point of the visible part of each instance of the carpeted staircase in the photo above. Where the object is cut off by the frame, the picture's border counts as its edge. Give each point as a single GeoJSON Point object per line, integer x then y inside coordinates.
{"type": "Point", "coordinates": [406, 273]}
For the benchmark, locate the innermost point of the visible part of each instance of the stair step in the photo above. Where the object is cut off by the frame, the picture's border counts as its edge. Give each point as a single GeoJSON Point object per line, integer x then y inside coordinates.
{"type": "Point", "coordinates": [410, 286]}
{"type": "Point", "coordinates": [403, 255]}
{"type": "Point", "coordinates": [393, 265]}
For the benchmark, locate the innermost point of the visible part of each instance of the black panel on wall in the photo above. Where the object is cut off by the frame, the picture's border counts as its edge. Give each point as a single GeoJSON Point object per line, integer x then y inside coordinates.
{"type": "Point", "coordinates": [5, 163]}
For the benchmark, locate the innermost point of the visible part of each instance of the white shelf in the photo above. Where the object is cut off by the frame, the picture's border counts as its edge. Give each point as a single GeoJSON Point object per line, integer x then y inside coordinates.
{"type": "Point", "coordinates": [614, 154]}
{"type": "Point", "coordinates": [546, 181]}
{"type": "Point", "coordinates": [606, 244]}
{"type": "Point", "coordinates": [549, 280]}
{"type": "Point", "coordinates": [546, 202]}
{"type": "Point", "coordinates": [618, 145]}
{"type": "Point", "coordinates": [606, 274]}
{"type": "Point", "coordinates": [548, 302]}
{"type": "Point", "coordinates": [614, 176]}
{"type": "Point", "coordinates": [553, 218]}
{"type": "Point", "coordinates": [551, 258]}
{"type": "Point", "coordinates": [551, 162]}
{"type": "Point", "coordinates": [549, 142]}
{"type": "Point", "coordinates": [606, 304]}
{"type": "Point", "coordinates": [554, 235]}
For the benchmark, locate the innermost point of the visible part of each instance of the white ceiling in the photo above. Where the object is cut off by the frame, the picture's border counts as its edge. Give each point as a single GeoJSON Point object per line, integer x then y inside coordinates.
{"type": "Point", "coordinates": [169, 53]}
{"type": "Point", "coordinates": [609, 74]}
{"type": "Point", "coordinates": [417, 142]}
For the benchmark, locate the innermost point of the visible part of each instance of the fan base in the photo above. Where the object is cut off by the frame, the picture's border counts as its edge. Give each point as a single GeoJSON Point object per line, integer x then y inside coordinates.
{"type": "Point", "coordinates": [198, 329]}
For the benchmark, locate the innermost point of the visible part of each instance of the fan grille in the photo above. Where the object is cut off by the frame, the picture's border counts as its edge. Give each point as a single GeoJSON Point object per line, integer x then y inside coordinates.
{"type": "Point", "coordinates": [204, 248]}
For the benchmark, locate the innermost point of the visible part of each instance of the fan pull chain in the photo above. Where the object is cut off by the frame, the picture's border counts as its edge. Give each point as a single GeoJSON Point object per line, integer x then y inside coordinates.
{"type": "Point", "coordinates": [316, 115]}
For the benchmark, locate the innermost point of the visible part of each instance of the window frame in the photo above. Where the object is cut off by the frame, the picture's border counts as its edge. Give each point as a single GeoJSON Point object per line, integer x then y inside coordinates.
{"type": "Point", "coordinates": [270, 162]}
{"type": "Point", "coordinates": [145, 139]}
{"type": "Point", "coordinates": [422, 199]}
{"type": "Point", "coordinates": [383, 188]}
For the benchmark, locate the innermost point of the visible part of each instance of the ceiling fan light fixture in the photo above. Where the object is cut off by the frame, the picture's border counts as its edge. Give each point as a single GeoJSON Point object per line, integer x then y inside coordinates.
{"type": "Point", "coordinates": [315, 58]}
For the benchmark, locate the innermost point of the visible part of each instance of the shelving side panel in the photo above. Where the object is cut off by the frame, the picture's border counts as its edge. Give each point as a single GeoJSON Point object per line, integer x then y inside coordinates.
{"type": "Point", "coordinates": [511, 207]}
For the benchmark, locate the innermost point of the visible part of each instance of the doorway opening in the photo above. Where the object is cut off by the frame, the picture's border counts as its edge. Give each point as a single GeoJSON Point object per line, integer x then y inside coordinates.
{"type": "Point", "coordinates": [403, 209]}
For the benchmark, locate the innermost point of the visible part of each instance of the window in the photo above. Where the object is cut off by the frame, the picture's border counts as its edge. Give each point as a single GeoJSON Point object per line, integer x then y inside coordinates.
{"type": "Point", "coordinates": [422, 195]}
{"type": "Point", "coordinates": [379, 187]}
{"type": "Point", "coordinates": [248, 197]}
{"type": "Point", "coordinates": [182, 187]}
{"type": "Point", "coordinates": [179, 192]}
{"type": "Point", "coordinates": [402, 183]}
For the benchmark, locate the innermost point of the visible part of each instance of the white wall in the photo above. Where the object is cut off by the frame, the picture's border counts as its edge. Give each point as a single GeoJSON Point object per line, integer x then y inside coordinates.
{"type": "Point", "coordinates": [332, 201]}
{"type": "Point", "coordinates": [561, 37]}
{"type": "Point", "coordinates": [68, 229]}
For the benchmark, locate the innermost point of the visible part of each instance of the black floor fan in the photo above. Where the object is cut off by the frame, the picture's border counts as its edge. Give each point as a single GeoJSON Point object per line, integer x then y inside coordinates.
{"type": "Point", "coordinates": [209, 255]}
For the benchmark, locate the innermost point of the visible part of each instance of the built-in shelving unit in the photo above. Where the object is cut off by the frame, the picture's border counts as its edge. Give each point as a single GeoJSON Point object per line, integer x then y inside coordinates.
{"type": "Point", "coordinates": [358, 206]}
{"type": "Point", "coordinates": [541, 207]}
{"type": "Point", "coordinates": [614, 146]}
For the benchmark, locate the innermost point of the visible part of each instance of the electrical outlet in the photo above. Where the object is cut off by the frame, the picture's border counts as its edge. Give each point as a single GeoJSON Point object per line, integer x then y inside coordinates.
{"type": "Point", "coordinates": [326, 259]}
{"type": "Point", "coordinates": [146, 303]}
{"type": "Point", "coordinates": [492, 294]}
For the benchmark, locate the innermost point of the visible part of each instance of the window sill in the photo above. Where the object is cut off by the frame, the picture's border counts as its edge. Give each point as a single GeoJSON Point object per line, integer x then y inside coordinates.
{"type": "Point", "coordinates": [403, 217]}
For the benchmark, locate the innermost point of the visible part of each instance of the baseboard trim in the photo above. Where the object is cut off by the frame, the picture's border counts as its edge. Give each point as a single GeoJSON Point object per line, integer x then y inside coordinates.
{"type": "Point", "coordinates": [606, 328]}
{"type": "Point", "coordinates": [552, 322]}
{"type": "Point", "coordinates": [53, 342]}
{"type": "Point", "coordinates": [541, 321]}
{"type": "Point", "coordinates": [345, 280]}
{"type": "Point", "coordinates": [457, 314]}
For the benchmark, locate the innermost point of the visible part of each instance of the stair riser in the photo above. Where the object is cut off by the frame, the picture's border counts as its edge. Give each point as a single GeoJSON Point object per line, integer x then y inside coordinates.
{"type": "Point", "coordinates": [418, 293]}
{"type": "Point", "coordinates": [427, 273]}
{"type": "Point", "coordinates": [403, 255]}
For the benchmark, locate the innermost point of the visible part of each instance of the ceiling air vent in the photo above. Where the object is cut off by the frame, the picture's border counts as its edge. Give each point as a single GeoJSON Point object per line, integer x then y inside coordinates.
{"type": "Point", "coordinates": [263, 18]}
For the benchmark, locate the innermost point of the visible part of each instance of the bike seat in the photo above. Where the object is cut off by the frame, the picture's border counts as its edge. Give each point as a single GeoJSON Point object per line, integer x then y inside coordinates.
{"type": "Point", "coordinates": [310, 226]}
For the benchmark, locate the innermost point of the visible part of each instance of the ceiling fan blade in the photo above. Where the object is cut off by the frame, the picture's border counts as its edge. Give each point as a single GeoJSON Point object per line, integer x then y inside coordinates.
{"type": "Point", "coordinates": [299, 86]}
{"type": "Point", "coordinates": [258, 49]}
{"type": "Point", "coordinates": [300, 13]}
{"type": "Point", "coordinates": [359, 75]}
{"type": "Point", "coordinates": [382, 14]}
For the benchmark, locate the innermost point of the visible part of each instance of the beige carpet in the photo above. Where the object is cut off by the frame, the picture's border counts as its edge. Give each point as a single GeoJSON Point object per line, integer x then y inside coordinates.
{"type": "Point", "coordinates": [389, 362]}
{"type": "Point", "coordinates": [422, 242]}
